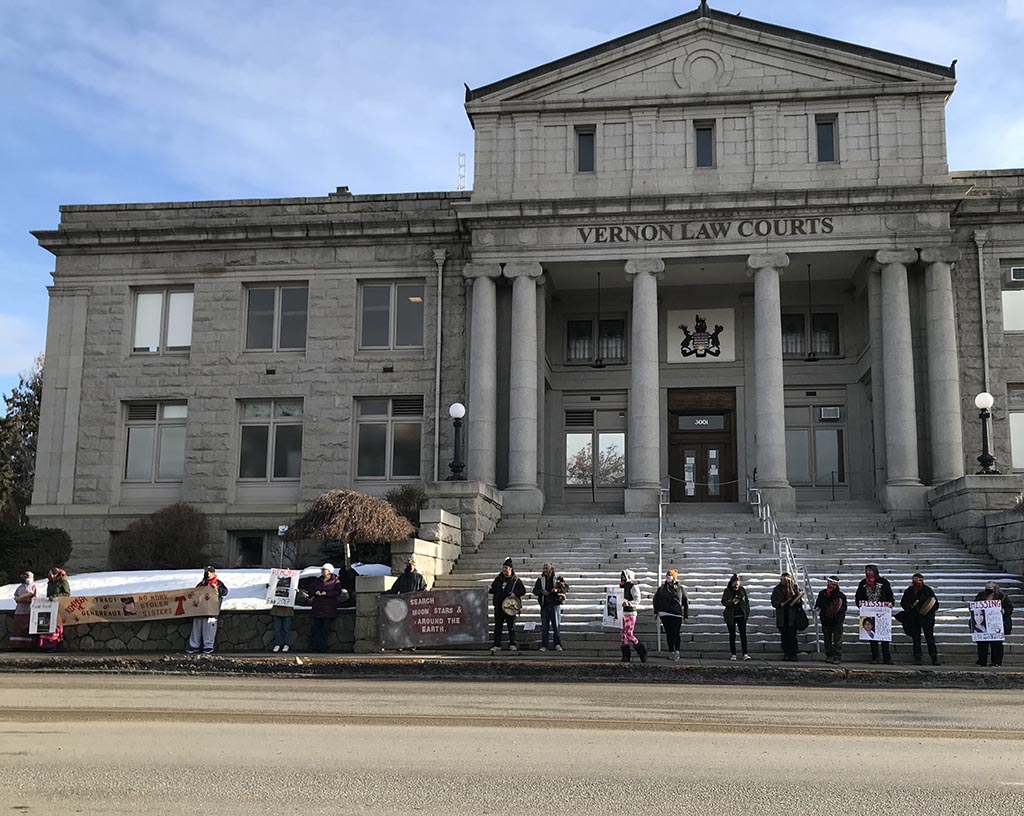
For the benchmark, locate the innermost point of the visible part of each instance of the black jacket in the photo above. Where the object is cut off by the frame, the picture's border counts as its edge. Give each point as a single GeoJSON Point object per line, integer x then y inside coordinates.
{"type": "Point", "coordinates": [408, 582]}
{"type": "Point", "coordinates": [884, 591]}
{"type": "Point", "coordinates": [912, 602]}
{"type": "Point", "coordinates": [555, 586]}
{"type": "Point", "coordinates": [787, 611]}
{"type": "Point", "coordinates": [671, 598]}
{"type": "Point", "coordinates": [501, 587]}
{"type": "Point", "coordinates": [823, 603]}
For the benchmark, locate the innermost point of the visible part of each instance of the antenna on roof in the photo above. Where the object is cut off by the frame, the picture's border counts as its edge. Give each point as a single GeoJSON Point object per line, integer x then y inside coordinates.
{"type": "Point", "coordinates": [461, 183]}
{"type": "Point", "coordinates": [704, 10]}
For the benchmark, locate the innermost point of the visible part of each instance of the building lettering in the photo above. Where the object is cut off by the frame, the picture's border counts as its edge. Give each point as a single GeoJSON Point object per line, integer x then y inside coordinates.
{"type": "Point", "coordinates": [707, 230]}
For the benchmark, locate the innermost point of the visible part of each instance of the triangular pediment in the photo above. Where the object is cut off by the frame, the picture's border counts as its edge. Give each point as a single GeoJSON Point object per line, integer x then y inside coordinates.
{"type": "Point", "coordinates": [711, 53]}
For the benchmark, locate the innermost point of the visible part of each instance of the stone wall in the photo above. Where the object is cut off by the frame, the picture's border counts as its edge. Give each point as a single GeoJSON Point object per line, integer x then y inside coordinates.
{"type": "Point", "coordinates": [1005, 534]}
{"type": "Point", "coordinates": [236, 632]}
{"type": "Point", "coordinates": [963, 505]}
{"type": "Point", "coordinates": [477, 505]}
{"type": "Point", "coordinates": [436, 553]}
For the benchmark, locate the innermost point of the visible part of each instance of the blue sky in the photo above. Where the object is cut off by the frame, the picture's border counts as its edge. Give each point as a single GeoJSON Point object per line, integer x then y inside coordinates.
{"type": "Point", "coordinates": [163, 100]}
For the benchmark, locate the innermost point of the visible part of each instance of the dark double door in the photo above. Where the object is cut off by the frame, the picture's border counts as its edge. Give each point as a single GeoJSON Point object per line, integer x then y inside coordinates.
{"type": "Point", "coordinates": [702, 445]}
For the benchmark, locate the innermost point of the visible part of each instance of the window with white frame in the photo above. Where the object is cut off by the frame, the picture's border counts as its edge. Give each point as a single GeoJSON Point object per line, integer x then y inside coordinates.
{"type": "Point", "coordinates": [270, 437]}
{"type": "Point", "coordinates": [391, 315]}
{"type": "Point", "coordinates": [816, 445]}
{"type": "Point", "coordinates": [388, 434]}
{"type": "Point", "coordinates": [155, 441]}
{"type": "Point", "coordinates": [162, 321]}
{"type": "Point", "coordinates": [1015, 418]}
{"type": "Point", "coordinates": [275, 317]}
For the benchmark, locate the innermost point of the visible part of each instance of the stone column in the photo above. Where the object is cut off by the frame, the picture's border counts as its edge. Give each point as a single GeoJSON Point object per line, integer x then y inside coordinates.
{"type": "Point", "coordinates": [903, 490]}
{"type": "Point", "coordinates": [944, 421]}
{"type": "Point", "coordinates": [482, 411]}
{"type": "Point", "coordinates": [522, 494]}
{"type": "Point", "coordinates": [644, 428]}
{"type": "Point", "coordinates": [769, 393]}
{"type": "Point", "coordinates": [877, 377]}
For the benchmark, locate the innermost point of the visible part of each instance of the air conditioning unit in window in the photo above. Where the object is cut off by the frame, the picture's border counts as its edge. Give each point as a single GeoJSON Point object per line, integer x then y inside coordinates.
{"type": "Point", "coordinates": [830, 413]}
{"type": "Point", "coordinates": [1015, 274]}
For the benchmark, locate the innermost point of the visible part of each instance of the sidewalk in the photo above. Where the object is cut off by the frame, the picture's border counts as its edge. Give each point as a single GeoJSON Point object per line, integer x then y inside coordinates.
{"type": "Point", "coordinates": [522, 667]}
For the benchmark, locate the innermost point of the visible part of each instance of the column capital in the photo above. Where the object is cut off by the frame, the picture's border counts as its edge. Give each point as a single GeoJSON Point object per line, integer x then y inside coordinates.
{"type": "Point", "coordinates": [651, 266]}
{"type": "Point", "coordinates": [896, 256]}
{"type": "Point", "coordinates": [766, 260]}
{"type": "Point", "coordinates": [481, 270]}
{"type": "Point", "coordinates": [942, 254]}
{"type": "Point", "coordinates": [523, 269]}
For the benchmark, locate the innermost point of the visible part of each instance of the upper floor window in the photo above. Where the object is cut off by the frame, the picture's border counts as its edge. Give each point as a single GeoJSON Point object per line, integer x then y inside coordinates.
{"type": "Point", "coordinates": [388, 432]}
{"type": "Point", "coordinates": [823, 339]}
{"type": "Point", "coordinates": [155, 449]}
{"type": "Point", "coordinates": [163, 321]}
{"type": "Point", "coordinates": [826, 131]}
{"type": "Point", "coordinates": [586, 149]}
{"type": "Point", "coordinates": [588, 340]}
{"type": "Point", "coordinates": [271, 440]}
{"type": "Point", "coordinates": [275, 317]}
{"type": "Point", "coordinates": [704, 141]}
{"type": "Point", "coordinates": [391, 316]}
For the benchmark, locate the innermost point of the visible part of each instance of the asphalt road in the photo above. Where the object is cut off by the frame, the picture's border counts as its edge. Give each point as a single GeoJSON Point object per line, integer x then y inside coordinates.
{"type": "Point", "coordinates": [122, 744]}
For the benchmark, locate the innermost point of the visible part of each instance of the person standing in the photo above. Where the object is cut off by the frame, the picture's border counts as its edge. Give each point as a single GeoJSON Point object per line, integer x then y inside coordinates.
{"type": "Point", "coordinates": [876, 589]}
{"type": "Point", "coordinates": [672, 607]}
{"type": "Point", "coordinates": [992, 592]}
{"type": "Point", "coordinates": [737, 613]}
{"type": "Point", "coordinates": [550, 590]}
{"type": "Point", "coordinates": [919, 607]}
{"type": "Point", "coordinates": [324, 595]}
{"type": "Point", "coordinates": [57, 585]}
{"type": "Point", "coordinates": [506, 585]}
{"type": "Point", "coordinates": [788, 604]}
{"type": "Point", "coordinates": [409, 581]}
{"type": "Point", "coordinates": [831, 607]}
{"type": "Point", "coordinates": [204, 630]}
{"type": "Point", "coordinates": [19, 639]}
{"type": "Point", "coordinates": [630, 606]}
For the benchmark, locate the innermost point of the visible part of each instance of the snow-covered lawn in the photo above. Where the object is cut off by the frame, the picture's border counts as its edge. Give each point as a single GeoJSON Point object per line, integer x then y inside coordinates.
{"type": "Point", "coordinates": [247, 588]}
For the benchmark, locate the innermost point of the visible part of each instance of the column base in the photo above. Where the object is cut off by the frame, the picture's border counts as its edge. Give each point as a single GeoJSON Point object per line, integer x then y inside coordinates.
{"type": "Point", "coordinates": [641, 501]}
{"type": "Point", "coordinates": [780, 497]}
{"type": "Point", "coordinates": [525, 501]}
{"type": "Point", "coordinates": [905, 496]}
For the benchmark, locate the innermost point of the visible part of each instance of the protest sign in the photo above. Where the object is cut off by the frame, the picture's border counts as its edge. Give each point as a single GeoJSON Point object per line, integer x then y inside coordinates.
{"type": "Point", "coordinates": [282, 586]}
{"type": "Point", "coordinates": [201, 601]}
{"type": "Point", "coordinates": [611, 608]}
{"type": "Point", "coordinates": [987, 621]}
{"type": "Point", "coordinates": [875, 622]}
{"type": "Point", "coordinates": [43, 616]}
{"type": "Point", "coordinates": [450, 617]}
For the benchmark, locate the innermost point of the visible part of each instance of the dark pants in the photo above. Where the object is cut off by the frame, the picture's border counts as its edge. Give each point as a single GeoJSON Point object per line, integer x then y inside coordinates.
{"type": "Point", "coordinates": [925, 626]}
{"type": "Point", "coordinates": [886, 653]}
{"type": "Point", "coordinates": [672, 626]}
{"type": "Point", "coordinates": [997, 652]}
{"type": "Point", "coordinates": [319, 633]}
{"type": "Point", "coordinates": [789, 641]}
{"type": "Point", "coordinates": [741, 624]}
{"type": "Point", "coordinates": [833, 640]}
{"type": "Point", "coordinates": [500, 620]}
{"type": "Point", "coordinates": [550, 620]}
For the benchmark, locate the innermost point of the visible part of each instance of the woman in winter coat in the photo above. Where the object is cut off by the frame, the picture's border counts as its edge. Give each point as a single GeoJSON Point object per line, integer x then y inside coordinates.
{"type": "Point", "coordinates": [673, 608]}
{"type": "Point", "coordinates": [325, 592]}
{"type": "Point", "coordinates": [550, 589]}
{"type": "Point", "coordinates": [506, 583]}
{"type": "Point", "coordinates": [877, 589]}
{"type": "Point", "coordinates": [630, 606]}
{"type": "Point", "coordinates": [56, 586]}
{"type": "Point", "coordinates": [20, 639]}
{"type": "Point", "coordinates": [919, 607]}
{"type": "Point", "coordinates": [204, 630]}
{"type": "Point", "coordinates": [737, 613]}
{"type": "Point", "coordinates": [992, 592]}
{"type": "Point", "coordinates": [787, 602]}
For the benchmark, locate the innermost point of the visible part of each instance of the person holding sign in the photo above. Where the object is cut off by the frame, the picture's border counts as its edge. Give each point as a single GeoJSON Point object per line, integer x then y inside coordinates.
{"type": "Point", "coordinates": [20, 639]}
{"type": "Point", "coordinates": [790, 616]}
{"type": "Point", "coordinates": [56, 586]}
{"type": "Point", "coordinates": [919, 607]}
{"type": "Point", "coordinates": [876, 589]}
{"type": "Point", "coordinates": [204, 630]}
{"type": "Point", "coordinates": [630, 606]}
{"type": "Point", "coordinates": [508, 592]}
{"type": "Point", "coordinates": [550, 590]}
{"type": "Point", "coordinates": [991, 593]}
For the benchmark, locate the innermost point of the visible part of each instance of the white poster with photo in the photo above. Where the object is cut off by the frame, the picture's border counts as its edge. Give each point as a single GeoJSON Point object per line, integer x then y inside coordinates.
{"type": "Point", "coordinates": [43, 616]}
{"type": "Point", "coordinates": [282, 587]}
{"type": "Point", "coordinates": [611, 608]}
{"type": "Point", "coordinates": [701, 335]}
{"type": "Point", "coordinates": [987, 621]}
{"type": "Point", "coordinates": [875, 622]}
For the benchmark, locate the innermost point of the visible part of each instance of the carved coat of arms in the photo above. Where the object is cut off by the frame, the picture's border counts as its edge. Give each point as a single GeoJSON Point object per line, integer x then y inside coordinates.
{"type": "Point", "coordinates": [700, 342]}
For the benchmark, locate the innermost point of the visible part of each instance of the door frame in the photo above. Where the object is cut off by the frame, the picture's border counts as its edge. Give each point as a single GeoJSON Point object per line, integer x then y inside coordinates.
{"type": "Point", "coordinates": [703, 402]}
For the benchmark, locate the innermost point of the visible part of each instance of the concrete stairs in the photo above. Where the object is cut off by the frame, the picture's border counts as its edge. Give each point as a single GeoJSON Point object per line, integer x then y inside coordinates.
{"type": "Point", "coordinates": [707, 543]}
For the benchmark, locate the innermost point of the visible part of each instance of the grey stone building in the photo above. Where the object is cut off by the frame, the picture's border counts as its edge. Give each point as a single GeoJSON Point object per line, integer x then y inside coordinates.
{"type": "Point", "coordinates": [712, 251]}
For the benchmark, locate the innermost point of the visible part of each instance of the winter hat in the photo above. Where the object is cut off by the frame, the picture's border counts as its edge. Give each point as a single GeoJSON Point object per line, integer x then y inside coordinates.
{"type": "Point", "coordinates": [328, 568]}
{"type": "Point", "coordinates": [508, 563]}
{"type": "Point", "coordinates": [210, 570]}
{"type": "Point", "coordinates": [833, 578]}
{"type": "Point", "coordinates": [673, 573]}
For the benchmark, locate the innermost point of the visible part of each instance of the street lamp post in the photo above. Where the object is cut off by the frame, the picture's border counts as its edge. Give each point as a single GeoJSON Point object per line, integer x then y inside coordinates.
{"type": "Point", "coordinates": [457, 411]}
{"type": "Point", "coordinates": [983, 402]}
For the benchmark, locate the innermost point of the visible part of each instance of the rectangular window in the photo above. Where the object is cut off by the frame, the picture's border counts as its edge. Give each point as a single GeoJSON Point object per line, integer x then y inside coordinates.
{"type": "Point", "coordinates": [586, 146]}
{"type": "Point", "coordinates": [163, 321]}
{"type": "Point", "coordinates": [155, 442]}
{"type": "Point", "coordinates": [798, 456]}
{"type": "Point", "coordinates": [1013, 310]}
{"type": "Point", "coordinates": [704, 138]}
{"type": "Point", "coordinates": [1016, 439]}
{"type": "Point", "coordinates": [592, 431]}
{"type": "Point", "coordinates": [270, 440]}
{"type": "Point", "coordinates": [389, 437]}
{"type": "Point", "coordinates": [275, 317]}
{"type": "Point", "coordinates": [391, 316]}
{"type": "Point", "coordinates": [826, 130]}
{"type": "Point", "coordinates": [824, 338]}
{"type": "Point", "coordinates": [249, 549]}
{"type": "Point", "coordinates": [585, 335]}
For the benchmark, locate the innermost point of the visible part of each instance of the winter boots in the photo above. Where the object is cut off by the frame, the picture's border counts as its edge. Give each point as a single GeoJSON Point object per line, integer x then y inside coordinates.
{"type": "Point", "coordinates": [642, 651]}
{"type": "Point", "coordinates": [625, 654]}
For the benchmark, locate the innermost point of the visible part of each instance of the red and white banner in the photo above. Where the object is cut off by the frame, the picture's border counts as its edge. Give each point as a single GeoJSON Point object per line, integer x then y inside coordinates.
{"type": "Point", "coordinates": [200, 601]}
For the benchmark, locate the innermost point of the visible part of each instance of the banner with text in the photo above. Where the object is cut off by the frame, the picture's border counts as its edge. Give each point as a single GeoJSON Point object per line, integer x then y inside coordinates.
{"type": "Point", "coordinates": [449, 617]}
{"type": "Point", "coordinates": [875, 621]}
{"type": "Point", "coordinates": [987, 621]}
{"type": "Point", "coordinates": [173, 603]}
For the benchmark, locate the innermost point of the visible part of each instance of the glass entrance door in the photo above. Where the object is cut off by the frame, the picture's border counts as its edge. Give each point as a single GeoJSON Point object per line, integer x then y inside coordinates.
{"type": "Point", "coordinates": [701, 472]}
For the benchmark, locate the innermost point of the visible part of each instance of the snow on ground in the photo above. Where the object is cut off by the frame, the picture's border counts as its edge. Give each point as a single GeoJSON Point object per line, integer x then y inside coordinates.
{"type": "Point", "coordinates": [247, 588]}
